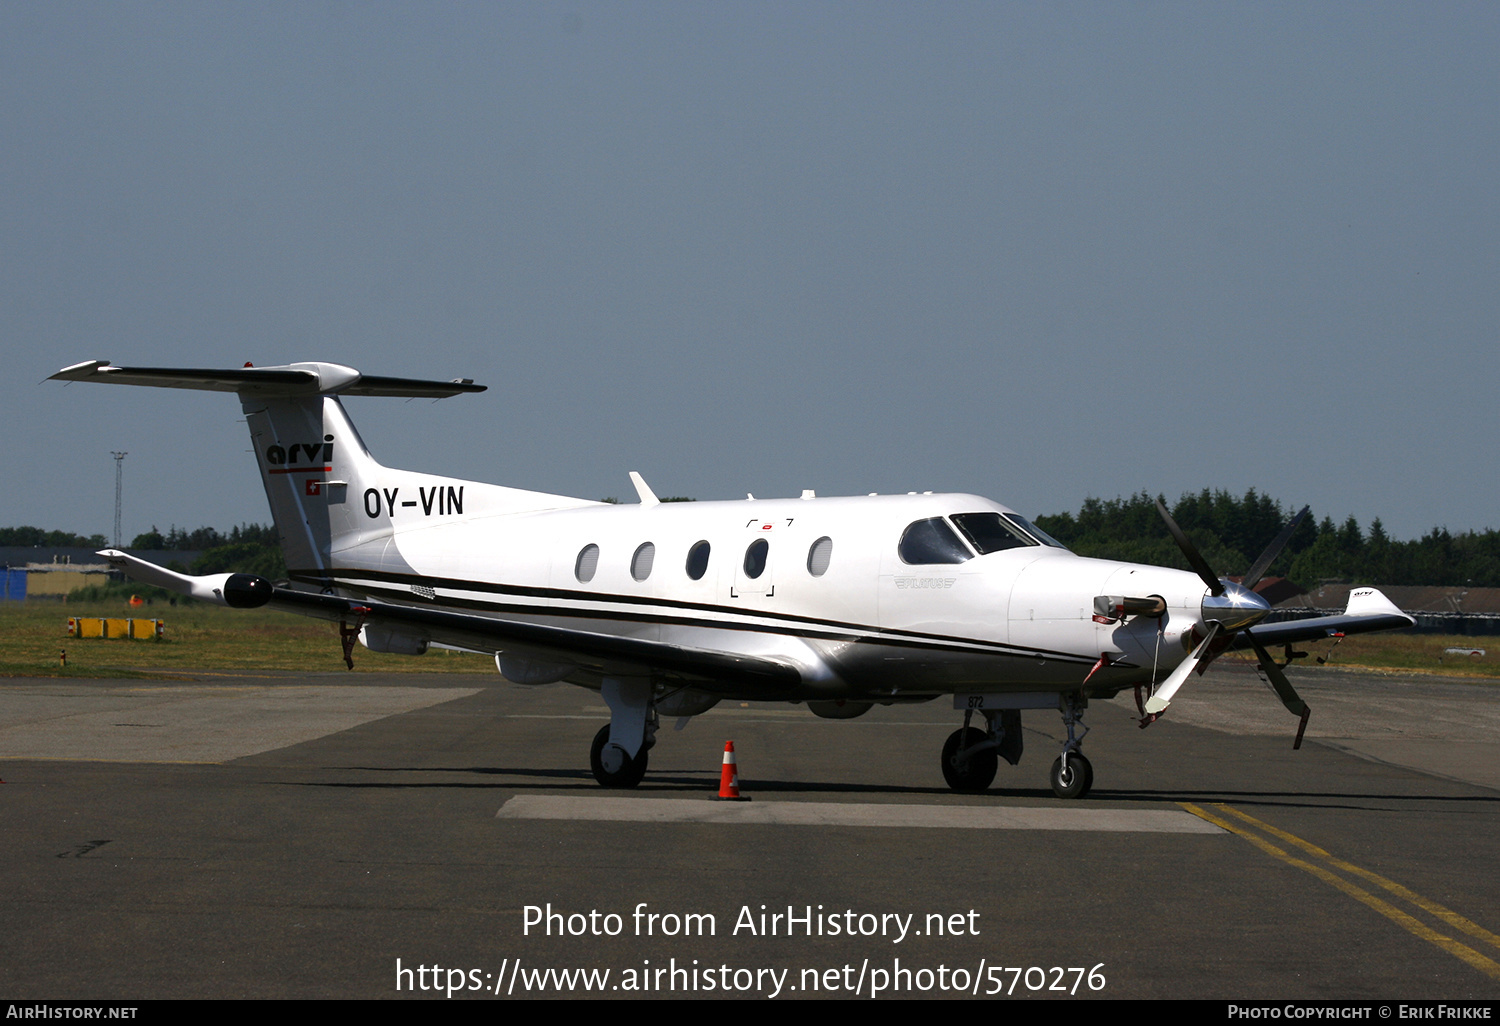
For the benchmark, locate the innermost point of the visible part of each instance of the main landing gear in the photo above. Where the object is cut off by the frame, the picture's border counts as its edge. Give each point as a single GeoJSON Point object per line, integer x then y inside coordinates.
{"type": "Point", "coordinates": [971, 756]}
{"type": "Point", "coordinates": [618, 755]}
{"type": "Point", "coordinates": [611, 766]}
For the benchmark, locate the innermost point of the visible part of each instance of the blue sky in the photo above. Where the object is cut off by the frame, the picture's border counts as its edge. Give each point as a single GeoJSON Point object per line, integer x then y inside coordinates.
{"type": "Point", "coordinates": [1033, 251]}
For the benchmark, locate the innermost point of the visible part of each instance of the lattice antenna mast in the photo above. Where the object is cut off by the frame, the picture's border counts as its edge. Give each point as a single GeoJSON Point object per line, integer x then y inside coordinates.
{"type": "Point", "coordinates": [119, 480]}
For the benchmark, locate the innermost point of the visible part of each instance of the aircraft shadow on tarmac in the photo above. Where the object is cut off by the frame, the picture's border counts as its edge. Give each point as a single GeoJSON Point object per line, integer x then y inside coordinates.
{"type": "Point", "coordinates": [704, 782]}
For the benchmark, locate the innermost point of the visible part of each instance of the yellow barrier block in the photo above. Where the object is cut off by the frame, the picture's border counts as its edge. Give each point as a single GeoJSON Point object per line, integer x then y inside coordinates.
{"type": "Point", "coordinates": [115, 627]}
{"type": "Point", "coordinates": [87, 627]}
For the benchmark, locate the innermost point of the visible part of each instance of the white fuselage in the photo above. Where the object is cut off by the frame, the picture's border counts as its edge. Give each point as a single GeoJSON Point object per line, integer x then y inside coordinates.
{"type": "Point", "coordinates": [869, 624]}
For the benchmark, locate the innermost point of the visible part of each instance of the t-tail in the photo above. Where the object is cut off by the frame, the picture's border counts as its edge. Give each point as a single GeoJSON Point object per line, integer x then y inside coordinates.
{"type": "Point", "coordinates": [334, 506]}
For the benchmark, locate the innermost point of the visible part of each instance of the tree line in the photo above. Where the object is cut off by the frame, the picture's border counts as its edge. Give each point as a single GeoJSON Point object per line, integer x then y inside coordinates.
{"type": "Point", "coordinates": [1232, 531]}
{"type": "Point", "coordinates": [248, 548]}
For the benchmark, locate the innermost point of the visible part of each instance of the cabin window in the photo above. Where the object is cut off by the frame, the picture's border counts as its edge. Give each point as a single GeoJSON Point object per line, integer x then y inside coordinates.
{"type": "Point", "coordinates": [931, 541]}
{"type": "Point", "coordinates": [988, 533]}
{"type": "Point", "coordinates": [697, 561]}
{"type": "Point", "coordinates": [819, 555]}
{"type": "Point", "coordinates": [755, 558]}
{"type": "Point", "coordinates": [640, 563]}
{"type": "Point", "coordinates": [587, 564]}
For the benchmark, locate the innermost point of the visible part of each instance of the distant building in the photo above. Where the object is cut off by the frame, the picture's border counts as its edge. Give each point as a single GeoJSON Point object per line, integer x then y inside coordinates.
{"type": "Point", "coordinates": [39, 572]}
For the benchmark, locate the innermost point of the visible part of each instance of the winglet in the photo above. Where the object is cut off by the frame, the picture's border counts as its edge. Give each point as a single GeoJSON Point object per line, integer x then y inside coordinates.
{"type": "Point", "coordinates": [648, 497]}
{"type": "Point", "coordinates": [1369, 602]}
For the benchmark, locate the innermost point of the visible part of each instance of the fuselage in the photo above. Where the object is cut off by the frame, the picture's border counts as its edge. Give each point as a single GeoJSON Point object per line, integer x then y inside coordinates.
{"type": "Point", "coordinates": [835, 586]}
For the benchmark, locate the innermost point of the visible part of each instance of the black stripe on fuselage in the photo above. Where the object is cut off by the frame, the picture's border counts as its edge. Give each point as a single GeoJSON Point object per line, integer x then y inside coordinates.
{"type": "Point", "coordinates": [786, 623]}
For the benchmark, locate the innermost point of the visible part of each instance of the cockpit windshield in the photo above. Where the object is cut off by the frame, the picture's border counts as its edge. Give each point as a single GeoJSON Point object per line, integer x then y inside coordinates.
{"type": "Point", "coordinates": [987, 532]}
{"type": "Point", "coordinates": [1036, 532]}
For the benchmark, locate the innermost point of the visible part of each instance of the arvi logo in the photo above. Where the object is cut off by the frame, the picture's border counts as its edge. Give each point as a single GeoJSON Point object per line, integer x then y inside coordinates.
{"type": "Point", "coordinates": [292, 456]}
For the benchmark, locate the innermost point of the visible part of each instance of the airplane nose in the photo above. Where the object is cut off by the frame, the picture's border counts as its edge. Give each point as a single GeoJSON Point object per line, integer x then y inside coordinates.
{"type": "Point", "coordinates": [1238, 607]}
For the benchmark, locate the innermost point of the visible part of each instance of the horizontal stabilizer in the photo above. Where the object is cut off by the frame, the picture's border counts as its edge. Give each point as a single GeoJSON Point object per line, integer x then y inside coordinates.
{"type": "Point", "coordinates": [242, 591]}
{"type": "Point", "coordinates": [297, 379]}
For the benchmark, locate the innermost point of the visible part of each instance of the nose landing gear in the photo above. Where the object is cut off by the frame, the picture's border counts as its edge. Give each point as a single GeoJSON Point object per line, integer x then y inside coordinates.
{"type": "Point", "coordinates": [1072, 774]}
{"type": "Point", "coordinates": [1072, 778]}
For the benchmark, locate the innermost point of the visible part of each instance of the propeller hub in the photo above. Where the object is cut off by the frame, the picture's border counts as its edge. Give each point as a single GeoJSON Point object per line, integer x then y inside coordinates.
{"type": "Point", "coordinates": [1237, 607]}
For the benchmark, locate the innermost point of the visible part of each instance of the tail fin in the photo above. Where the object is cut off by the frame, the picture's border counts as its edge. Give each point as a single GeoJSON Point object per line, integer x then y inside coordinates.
{"type": "Point", "coordinates": [326, 491]}
{"type": "Point", "coordinates": [311, 460]}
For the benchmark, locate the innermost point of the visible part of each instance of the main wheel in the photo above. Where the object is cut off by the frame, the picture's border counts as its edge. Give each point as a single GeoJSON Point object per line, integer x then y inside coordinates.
{"type": "Point", "coordinates": [977, 771]}
{"type": "Point", "coordinates": [629, 771]}
{"type": "Point", "coordinates": [1076, 780]}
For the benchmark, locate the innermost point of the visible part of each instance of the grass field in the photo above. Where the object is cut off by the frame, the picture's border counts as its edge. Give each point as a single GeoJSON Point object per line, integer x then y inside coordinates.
{"type": "Point", "coordinates": [198, 637]}
{"type": "Point", "coordinates": [211, 638]}
{"type": "Point", "coordinates": [1398, 651]}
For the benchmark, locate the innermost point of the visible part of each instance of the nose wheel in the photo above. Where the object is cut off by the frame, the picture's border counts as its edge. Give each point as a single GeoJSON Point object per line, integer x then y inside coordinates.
{"type": "Point", "coordinates": [1072, 775]}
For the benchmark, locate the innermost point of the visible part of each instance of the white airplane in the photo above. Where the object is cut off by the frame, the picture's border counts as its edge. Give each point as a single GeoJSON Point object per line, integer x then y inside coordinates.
{"type": "Point", "coordinates": [669, 608]}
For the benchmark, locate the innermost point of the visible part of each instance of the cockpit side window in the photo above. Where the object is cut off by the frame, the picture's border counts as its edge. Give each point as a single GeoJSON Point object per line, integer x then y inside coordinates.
{"type": "Point", "coordinates": [988, 533]}
{"type": "Point", "coordinates": [932, 541]}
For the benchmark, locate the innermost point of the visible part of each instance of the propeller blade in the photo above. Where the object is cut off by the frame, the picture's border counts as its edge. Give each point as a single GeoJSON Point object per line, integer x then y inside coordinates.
{"type": "Point", "coordinates": [1158, 702]}
{"type": "Point", "coordinates": [1282, 687]}
{"type": "Point", "coordinates": [1261, 565]}
{"type": "Point", "coordinates": [1194, 557]}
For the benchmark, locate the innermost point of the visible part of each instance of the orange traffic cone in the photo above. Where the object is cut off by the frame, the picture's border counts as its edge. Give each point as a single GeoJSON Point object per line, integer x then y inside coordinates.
{"type": "Point", "coordinates": [729, 777]}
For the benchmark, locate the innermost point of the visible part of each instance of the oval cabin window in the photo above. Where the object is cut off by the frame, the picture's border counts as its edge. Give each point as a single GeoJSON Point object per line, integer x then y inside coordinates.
{"type": "Point", "coordinates": [755, 558]}
{"type": "Point", "coordinates": [587, 564]}
{"type": "Point", "coordinates": [697, 561]}
{"type": "Point", "coordinates": [640, 563]}
{"type": "Point", "coordinates": [819, 555]}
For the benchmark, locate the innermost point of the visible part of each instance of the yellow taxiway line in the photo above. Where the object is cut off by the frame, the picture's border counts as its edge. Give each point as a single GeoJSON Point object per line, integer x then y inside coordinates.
{"type": "Point", "coordinates": [1483, 963]}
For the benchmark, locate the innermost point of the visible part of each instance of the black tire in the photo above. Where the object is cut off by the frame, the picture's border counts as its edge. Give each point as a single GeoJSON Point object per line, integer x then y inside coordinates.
{"type": "Point", "coordinates": [977, 772]}
{"type": "Point", "coordinates": [628, 775]}
{"type": "Point", "coordinates": [1076, 781]}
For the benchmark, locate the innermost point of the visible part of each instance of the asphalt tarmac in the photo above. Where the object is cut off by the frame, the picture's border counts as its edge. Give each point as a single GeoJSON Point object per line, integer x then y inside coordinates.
{"type": "Point", "coordinates": [410, 836]}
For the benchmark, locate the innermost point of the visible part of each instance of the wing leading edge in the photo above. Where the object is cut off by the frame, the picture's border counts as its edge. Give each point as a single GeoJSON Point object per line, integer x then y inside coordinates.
{"type": "Point", "coordinates": [1368, 610]}
{"type": "Point", "coordinates": [602, 654]}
